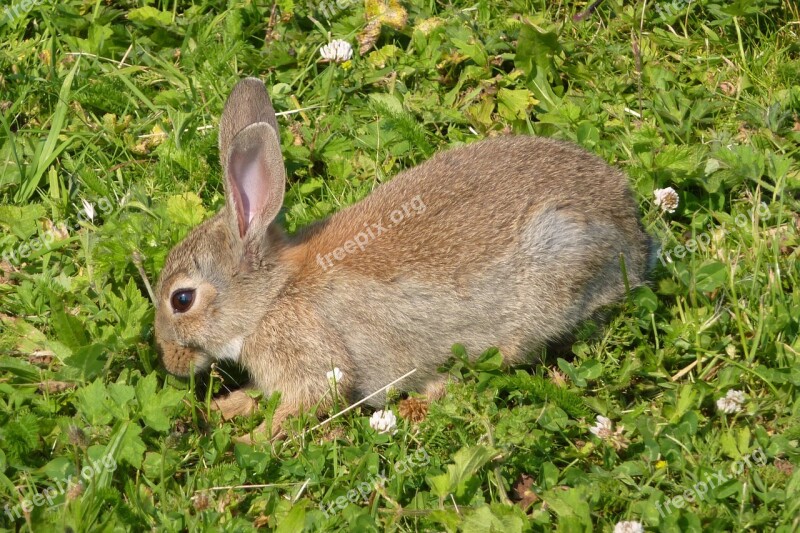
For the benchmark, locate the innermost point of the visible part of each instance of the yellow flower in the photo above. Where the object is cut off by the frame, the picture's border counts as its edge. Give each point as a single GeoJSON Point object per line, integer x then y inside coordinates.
{"type": "Point", "coordinates": [661, 464]}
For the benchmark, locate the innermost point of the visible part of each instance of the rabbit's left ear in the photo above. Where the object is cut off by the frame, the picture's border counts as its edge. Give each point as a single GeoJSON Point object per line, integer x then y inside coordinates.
{"type": "Point", "coordinates": [255, 179]}
{"type": "Point", "coordinates": [250, 154]}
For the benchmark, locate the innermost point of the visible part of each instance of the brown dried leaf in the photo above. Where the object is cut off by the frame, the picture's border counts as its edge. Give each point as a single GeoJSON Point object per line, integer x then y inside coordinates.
{"type": "Point", "coordinates": [727, 88]}
{"type": "Point", "coordinates": [41, 357]}
{"type": "Point", "coordinates": [784, 466]}
{"type": "Point", "coordinates": [53, 386]}
{"type": "Point", "coordinates": [522, 492]}
{"type": "Point", "coordinates": [368, 37]}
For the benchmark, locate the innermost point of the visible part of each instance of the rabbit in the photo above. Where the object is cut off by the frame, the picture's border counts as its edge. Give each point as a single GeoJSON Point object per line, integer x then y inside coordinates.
{"type": "Point", "coordinates": [508, 242]}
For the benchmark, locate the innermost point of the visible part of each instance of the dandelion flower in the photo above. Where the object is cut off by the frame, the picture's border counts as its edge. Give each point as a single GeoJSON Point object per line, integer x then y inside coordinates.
{"type": "Point", "coordinates": [629, 526]}
{"type": "Point", "coordinates": [383, 421]}
{"type": "Point", "coordinates": [337, 51]}
{"type": "Point", "coordinates": [335, 375]}
{"type": "Point", "coordinates": [731, 402]}
{"type": "Point", "coordinates": [604, 429]}
{"type": "Point", "coordinates": [667, 199]}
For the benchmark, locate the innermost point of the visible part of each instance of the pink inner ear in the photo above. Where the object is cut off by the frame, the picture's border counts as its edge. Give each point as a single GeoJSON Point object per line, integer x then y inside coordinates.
{"type": "Point", "coordinates": [249, 179]}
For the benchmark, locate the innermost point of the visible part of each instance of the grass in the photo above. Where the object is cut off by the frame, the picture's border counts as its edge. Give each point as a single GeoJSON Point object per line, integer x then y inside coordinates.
{"type": "Point", "coordinates": [116, 104]}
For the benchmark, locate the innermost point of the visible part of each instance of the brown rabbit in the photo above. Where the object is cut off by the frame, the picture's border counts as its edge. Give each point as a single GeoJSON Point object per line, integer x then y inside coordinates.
{"type": "Point", "coordinates": [508, 242]}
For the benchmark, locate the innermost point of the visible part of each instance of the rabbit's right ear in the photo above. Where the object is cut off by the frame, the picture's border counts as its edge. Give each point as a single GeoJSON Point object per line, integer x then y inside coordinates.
{"type": "Point", "coordinates": [250, 154]}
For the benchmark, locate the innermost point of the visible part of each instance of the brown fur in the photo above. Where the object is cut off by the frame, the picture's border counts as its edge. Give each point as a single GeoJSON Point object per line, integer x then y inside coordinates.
{"type": "Point", "coordinates": [519, 241]}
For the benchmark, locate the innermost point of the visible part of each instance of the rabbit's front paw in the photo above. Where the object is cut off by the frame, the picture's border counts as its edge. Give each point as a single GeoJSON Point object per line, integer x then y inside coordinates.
{"type": "Point", "coordinates": [237, 403]}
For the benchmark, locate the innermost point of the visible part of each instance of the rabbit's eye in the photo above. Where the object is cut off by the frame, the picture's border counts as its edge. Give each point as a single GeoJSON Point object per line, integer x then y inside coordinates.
{"type": "Point", "coordinates": [182, 300]}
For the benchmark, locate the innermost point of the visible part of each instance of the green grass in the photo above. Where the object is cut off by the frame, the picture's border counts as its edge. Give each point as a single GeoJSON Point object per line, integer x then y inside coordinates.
{"type": "Point", "coordinates": [116, 103]}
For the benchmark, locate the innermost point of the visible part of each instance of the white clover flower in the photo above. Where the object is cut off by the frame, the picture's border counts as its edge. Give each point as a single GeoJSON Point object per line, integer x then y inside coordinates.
{"type": "Point", "coordinates": [335, 375]}
{"type": "Point", "coordinates": [88, 208]}
{"type": "Point", "coordinates": [735, 395]}
{"type": "Point", "coordinates": [383, 421]}
{"type": "Point", "coordinates": [732, 402]}
{"type": "Point", "coordinates": [667, 199]}
{"type": "Point", "coordinates": [337, 51]}
{"type": "Point", "coordinates": [629, 526]}
{"type": "Point", "coordinates": [604, 429]}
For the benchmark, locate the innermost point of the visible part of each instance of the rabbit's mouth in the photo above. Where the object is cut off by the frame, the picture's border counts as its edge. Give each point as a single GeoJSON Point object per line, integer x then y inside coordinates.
{"type": "Point", "coordinates": [182, 361]}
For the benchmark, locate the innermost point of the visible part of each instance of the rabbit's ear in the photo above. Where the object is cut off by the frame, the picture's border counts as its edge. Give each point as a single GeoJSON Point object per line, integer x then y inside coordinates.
{"type": "Point", "coordinates": [255, 178]}
{"type": "Point", "coordinates": [247, 104]}
{"type": "Point", "coordinates": [250, 154]}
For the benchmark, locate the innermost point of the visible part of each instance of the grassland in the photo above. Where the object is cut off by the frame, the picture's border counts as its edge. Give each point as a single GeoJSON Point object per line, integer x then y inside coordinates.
{"type": "Point", "coordinates": [108, 114]}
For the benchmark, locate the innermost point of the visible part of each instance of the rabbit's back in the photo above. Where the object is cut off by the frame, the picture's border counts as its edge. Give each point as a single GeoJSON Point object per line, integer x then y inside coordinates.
{"type": "Point", "coordinates": [478, 199]}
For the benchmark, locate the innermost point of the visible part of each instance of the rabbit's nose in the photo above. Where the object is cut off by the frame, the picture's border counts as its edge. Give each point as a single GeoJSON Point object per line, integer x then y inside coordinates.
{"type": "Point", "coordinates": [178, 359]}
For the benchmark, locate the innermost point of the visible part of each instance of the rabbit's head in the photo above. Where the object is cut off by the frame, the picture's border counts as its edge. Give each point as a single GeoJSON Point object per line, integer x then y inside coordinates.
{"type": "Point", "coordinates": [217, 282]}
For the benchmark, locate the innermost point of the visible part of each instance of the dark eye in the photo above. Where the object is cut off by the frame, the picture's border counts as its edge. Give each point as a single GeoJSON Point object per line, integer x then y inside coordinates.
{"type": "Point", "coordinates": [182, 300]}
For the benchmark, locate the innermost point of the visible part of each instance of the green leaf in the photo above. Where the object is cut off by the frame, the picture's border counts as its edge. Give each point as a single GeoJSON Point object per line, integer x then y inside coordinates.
{"type": "Point", "coordinates": [514, 104]}
{"type": "Point", "coordinates": [552, 418]}
{"type": "Point", "coordinates": [156, 408]}
{"type": "Point", "coordinates": [85, 363]}
{"type": "Point", "coordinates": [535, 51]}
{"type": "Point", "coordinates": [68, 328]}
{"type": "Point", "coordinates": [567, 368]}
{"type": "Point", "coordinates": [473, 50]}
{"type": "Point", "coordinates": [466, 462]}
{"type": "Point", "coordinates": [249, 459]}
{"type": "Point", "coordinates": [131, 309]}
{"type": "Point", "coordinates": [186, 209]}
{"type": "Point", "coordinates": [21, 221]}
{"type": "Point", "coordinates": [131, 447]}
{"type": "Point", "coordinates": [93, 402]}
{"type": "Point", "coordinates": [571, 505]}
{"type": "Point", "coordinates": [728, 443]}
{"type": "Point", "coordinates": [687, 398]}
{"type": "Point", "coordinates": [550, 475]}
{"type": "Point", "coordinates": [22, 369]}
{"type": "Point", "coordinates": [295, 519]}
{"type": "Point", "coordinates": [590, 369]}
{"type": "Point", "coordinates": [711, 276]}
{"type": "Point", "coordinates": [645, 298]}
{"type": "Point", "coordinates": [150, 16]}
{"type": "Point", "coordinates": [502, 520]}
{"type": "Point", "coordinates": [122, 396]}
{"type": "Point", "coordinates": [387, 102]}
{"type": "Point", "coordinates": [58, 468]}
{"type": "Point", "coordinates": [488, 361]}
